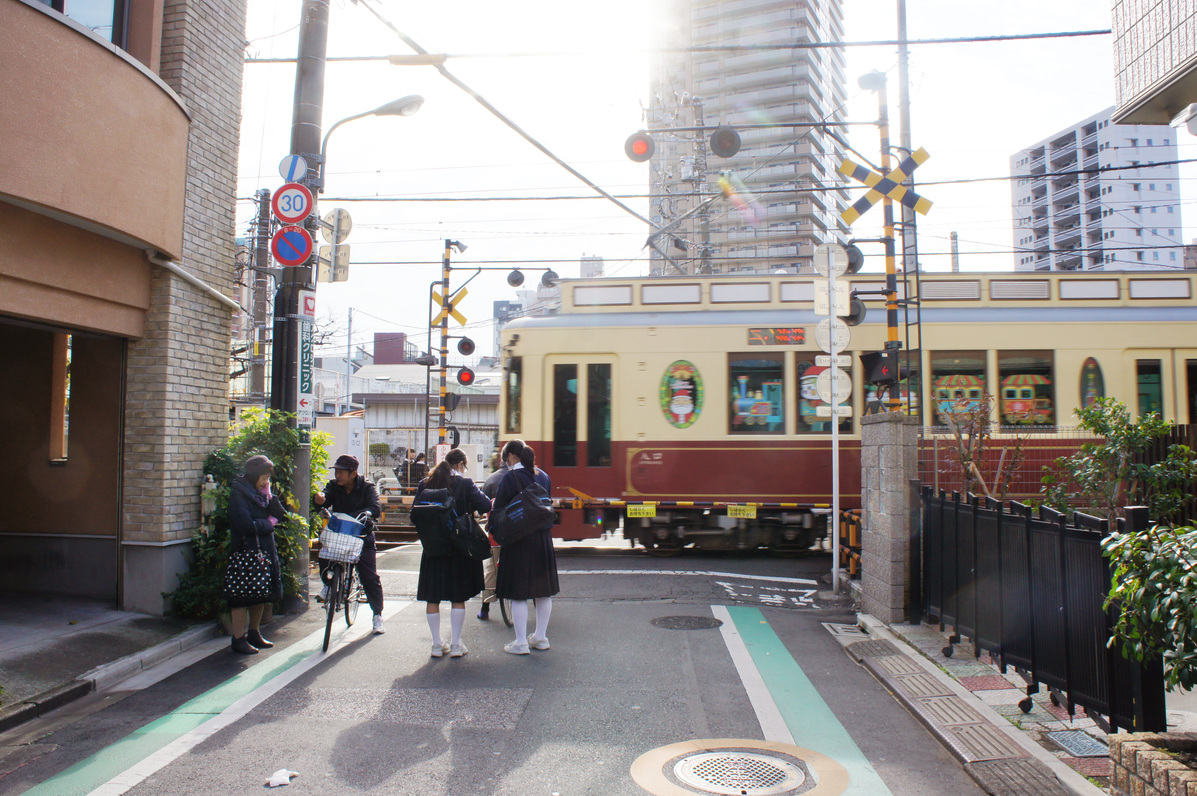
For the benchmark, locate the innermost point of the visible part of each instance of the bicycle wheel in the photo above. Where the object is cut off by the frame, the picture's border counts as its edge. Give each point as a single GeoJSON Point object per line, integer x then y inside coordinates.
{"type": "Point", "coordinates": [505, 610]}
{"type": "Point", "coordinates": [333, 602]}
{"type": "Point", "coordinates": [352, 587]}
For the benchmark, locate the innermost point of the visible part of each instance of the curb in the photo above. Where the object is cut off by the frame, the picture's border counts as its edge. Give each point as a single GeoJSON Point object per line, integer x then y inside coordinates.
{"type": "Point", "coordinates": [103, 677]}
{"type": "Point", "coordinates": [1069, 779]}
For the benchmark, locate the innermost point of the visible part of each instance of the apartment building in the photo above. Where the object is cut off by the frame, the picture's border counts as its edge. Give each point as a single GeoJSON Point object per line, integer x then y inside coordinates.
{"type": "Point", "coordinates": [785, 194]}
{"type": "Point", "coordinates": [1098, 196]}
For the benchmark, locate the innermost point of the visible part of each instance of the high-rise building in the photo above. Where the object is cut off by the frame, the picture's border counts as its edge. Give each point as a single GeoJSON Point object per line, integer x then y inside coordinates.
{"type": "Point", "coordinates": [725, 62]}
{"type": "Point", "coordinates": [1092, 198]}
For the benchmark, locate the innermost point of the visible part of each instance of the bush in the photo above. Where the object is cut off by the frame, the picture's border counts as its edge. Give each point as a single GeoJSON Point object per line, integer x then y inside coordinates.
{"type": "Point", "coordinates": [265, 432]}
{"type": "Point", "coordinates": [1154, 591]}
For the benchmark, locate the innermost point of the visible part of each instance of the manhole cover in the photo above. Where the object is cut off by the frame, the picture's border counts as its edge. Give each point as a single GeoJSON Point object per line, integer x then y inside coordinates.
{"type": "Point", "coordinates": [739, 773]}
{"type": "Point", "coordinates": [686, 622]}
{"type": "Point", "coordinates": [1079, 744]}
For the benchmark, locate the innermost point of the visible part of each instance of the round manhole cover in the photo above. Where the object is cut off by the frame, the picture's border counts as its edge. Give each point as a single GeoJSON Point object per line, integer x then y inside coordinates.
{"type": "Point", "coordinates": [686, 622]}
{"type": "Point", "coordinates": [739, 773]}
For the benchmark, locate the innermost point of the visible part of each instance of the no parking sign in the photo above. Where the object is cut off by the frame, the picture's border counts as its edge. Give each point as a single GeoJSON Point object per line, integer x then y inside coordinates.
{"type": "Point", "coordinates": [291, 246]}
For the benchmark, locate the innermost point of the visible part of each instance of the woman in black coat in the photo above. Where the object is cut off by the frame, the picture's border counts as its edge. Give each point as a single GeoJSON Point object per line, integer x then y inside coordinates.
{"type": "Point", "coordinates": [529, 568]}
{"type": "Point", "coordinates": [452, 578]}
{"type": "Point", "coordinates": [253, 513]}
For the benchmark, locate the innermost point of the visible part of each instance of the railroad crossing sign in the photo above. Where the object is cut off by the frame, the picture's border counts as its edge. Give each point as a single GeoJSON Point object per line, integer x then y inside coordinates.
{"type": "Point", "coordinates": [291, 245]}
{"type": "Point", "coordinates": [291, 203]}
{"type": "Point", "coordinates": [449, 308]}
{"type": "Point", "coordinates": [890, 185]}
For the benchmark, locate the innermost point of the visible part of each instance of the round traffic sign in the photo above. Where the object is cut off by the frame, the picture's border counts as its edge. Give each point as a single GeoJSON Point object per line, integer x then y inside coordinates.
{"type": "Point", "coordinates": [830, 257]}
{"type": "Point", "coordinates": [292, 168]}
{"type": "Point", "coordinates": [843, 385]}
{"type": "Point", "coordinates": [291, 203]}
{"type": "Point", "coordinates": [336, 222]}
{"type": "Point", "coordinates": [824, 333]}
{"type": "Point", "coordinates": [291, 245]}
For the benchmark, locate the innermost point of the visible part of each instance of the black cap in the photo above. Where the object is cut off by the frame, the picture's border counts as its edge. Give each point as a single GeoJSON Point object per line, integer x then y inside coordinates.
{"type": "Point", "coordinates": [346, 462]}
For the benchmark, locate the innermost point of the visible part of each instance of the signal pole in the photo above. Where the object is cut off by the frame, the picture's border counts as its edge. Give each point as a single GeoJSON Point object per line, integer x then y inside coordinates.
{"type": "Point", "coordinates": [440, 409]}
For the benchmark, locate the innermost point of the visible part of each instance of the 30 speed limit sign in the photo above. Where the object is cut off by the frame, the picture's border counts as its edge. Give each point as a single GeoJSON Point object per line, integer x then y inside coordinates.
{"type": "Point", "coordinates": [291, 203]}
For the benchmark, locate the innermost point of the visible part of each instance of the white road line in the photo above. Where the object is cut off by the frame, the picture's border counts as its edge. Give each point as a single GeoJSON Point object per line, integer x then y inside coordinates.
{"type": "Point", "coordinates": [773, 726]}
{"type": "Point", "coordinates": [658, 572]}
{"type": "Point", "coordinates": [138, 772]}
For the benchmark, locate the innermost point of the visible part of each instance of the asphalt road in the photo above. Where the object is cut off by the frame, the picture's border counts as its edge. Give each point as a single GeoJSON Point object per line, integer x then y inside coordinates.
{"type": "Point", "coordinates": [378, 715]}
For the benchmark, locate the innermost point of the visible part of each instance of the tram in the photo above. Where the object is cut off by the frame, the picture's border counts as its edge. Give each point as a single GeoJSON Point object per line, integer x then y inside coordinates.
{"type": "Point", "coordinates": [686, 405]}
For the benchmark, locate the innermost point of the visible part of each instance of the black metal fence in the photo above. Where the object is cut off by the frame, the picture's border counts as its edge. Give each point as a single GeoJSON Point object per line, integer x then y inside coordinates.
{"type": "Point", "coordinates": [1030, 590]}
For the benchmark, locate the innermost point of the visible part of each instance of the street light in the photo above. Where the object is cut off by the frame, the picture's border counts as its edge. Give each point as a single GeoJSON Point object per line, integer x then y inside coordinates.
{"type": "Point", "coordinates": [404, 106]}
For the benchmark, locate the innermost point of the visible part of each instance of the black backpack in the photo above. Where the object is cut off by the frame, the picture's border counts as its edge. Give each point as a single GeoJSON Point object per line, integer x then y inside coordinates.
{"type": "Point", "coordinates": [435, 520]}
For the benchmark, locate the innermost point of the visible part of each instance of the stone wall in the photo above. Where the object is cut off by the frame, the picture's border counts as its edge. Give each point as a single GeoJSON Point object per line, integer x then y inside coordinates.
{"type": "Point", "coordinates": [1151, 764]}
{"type": "Point", "coordinates": [888, 463]}
{"type": "Point", "coordinates": [176, 408]}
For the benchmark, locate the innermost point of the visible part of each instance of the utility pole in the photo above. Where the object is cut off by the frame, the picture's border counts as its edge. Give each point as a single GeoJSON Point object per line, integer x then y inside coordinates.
{"type": "Point", "coordinates": [261, 281]}
{"type": "Point", "coordinates": [440, 409]}
{"type": "Point", "coordinates": [700, 176]}
{"type": "Point", "coordinates": [349, 364]}
{"type": "Point", "coordinates": [305, 141]}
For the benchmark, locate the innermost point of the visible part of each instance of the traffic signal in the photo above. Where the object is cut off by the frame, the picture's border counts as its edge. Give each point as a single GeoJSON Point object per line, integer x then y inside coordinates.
{"type": "Point", "coordinates": [725, 141]}
{"type": "Point", "coordinates": [465, 376]}
{"type": "Point", "coordinates": [453, 435]}
{"type": "Point", "coordinates": [639, 146]}
{"type": "Point", "coordinates": [856, 312]}
{"type": "Point", "coordinates": [465, 346]}
{"type": "Point", "coordinates": [452, 399]}
{"type": "Point", "coordinates": [855, 258]}
{"type": "Point", "coordinates": [881, 367]}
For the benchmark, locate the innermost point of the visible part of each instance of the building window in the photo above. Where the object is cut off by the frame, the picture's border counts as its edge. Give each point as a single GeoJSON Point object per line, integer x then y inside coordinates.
{"type": "Point", "coordinates": [514, 394]}
{"type": "Point", "coordinates": [1026, 379]}
{"type": "Point", "coordinates": [598, 415]}
{"type": "Point", "coordinates": [809, 402]}
{"type": "Point", "coordinates": [1135, 186]}
{"type": "Point", "coordinates": [1155, 255]}
{"type": "Point", "coordinates": [565, 415]}
{"type": "Point", "coordinates": [1151, 394]}
{"type": "Point", "coordinates": [1139, 256]}
{"type": "Point", "coordinates": [957, 382]}
{"type": "Point", "coordinates": [108, 19]}
{"type": "Point", "coordinates": [60, 397]}
{"type": "Point", "coordinates": [757, 393]}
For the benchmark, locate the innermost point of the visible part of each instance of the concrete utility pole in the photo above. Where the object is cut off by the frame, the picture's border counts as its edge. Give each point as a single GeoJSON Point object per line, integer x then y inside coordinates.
{"type": "Point", "coordinates": [261, 281]}
{"type": "Point", "coordinates": [306, 120]}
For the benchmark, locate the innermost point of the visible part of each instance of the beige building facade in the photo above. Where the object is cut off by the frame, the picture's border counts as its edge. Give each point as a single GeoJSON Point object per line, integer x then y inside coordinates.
{"type": "Point", "coordinates": [118, 152]}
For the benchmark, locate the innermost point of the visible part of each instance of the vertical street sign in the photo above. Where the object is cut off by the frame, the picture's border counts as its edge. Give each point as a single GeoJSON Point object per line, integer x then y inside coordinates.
{"type": "Point", "coordinates": [305, 398]}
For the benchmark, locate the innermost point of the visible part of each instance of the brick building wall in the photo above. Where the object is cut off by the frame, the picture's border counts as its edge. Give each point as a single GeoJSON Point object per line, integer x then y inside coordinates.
{"type": "Point", "coordinates": [176, 408]}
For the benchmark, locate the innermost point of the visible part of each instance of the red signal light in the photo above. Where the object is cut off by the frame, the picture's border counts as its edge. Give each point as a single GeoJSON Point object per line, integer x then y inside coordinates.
{"type": "Point", "coordinates": [465, 376]}
{"type": "Point", "coordinates": [639, 147]}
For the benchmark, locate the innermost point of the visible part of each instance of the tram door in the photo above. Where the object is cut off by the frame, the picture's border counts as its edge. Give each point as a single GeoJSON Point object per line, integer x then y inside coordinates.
{"type": "Point", "coordinates": [580, 405]}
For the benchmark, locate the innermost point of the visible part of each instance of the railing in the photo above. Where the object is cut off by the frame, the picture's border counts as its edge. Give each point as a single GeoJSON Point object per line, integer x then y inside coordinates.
{"type": "Point", "coordinates": [1158, 451]}
{"type": "Point", "coordinates": [1030, 590]}
{"type": "Point", "coordinates": [850, 547]}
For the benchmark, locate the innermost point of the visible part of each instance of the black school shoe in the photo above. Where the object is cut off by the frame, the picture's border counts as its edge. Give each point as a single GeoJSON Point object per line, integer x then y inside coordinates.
{"type": "Point", "coordinates": [484, 614]}
{"type": "Point", "coordinates": [254, 637]}
{"type": "Point", "coordinates": [240, 645]}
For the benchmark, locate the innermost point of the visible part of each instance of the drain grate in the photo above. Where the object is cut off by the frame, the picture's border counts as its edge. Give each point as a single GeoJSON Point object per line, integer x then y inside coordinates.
{"type": "Point", "coordinates": [1079, 744]}
{"type": "Point", "coordinates": [686, 622]}
{"type": "Point", "coordinates": [739, 773]}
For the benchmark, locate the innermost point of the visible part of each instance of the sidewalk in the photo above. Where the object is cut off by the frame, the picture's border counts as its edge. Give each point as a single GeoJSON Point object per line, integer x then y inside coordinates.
{"type": "Point", "coordinates": [54, 650]}
{"type": "Point", "coordinates": [1046, 739]}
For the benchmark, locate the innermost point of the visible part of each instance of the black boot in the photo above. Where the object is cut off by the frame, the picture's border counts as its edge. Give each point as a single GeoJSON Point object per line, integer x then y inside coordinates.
{"type": "Point", "coordinates": [254, 637]}
{"type": "Point", "coordinates": [244, 647]}
{"type": "Point", "coordinates": [484, 614]}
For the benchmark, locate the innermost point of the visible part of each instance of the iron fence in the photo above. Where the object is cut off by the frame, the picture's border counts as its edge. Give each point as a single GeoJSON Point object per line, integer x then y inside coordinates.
{"type": "Point", "coordinates": [1158, 451]}
{"type": "Point", "coordinates": [1030, 589]}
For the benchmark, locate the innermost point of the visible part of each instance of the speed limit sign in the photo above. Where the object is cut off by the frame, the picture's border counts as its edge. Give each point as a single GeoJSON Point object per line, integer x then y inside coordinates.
{"type": "Point", "coordinates": [292, 203]}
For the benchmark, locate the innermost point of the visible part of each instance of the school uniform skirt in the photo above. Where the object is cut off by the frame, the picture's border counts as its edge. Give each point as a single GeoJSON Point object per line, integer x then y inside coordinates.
{"type": "Point", "coordinates": [528, 568]}
{"type": "Point", "coordinates": [453, 578]}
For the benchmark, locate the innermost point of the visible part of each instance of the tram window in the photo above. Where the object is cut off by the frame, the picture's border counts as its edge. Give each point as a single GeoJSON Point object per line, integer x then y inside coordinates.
{"type": "Point", "coordinates": [757, 394]}
{"type": "Point", "coordinates": [565, 415]}
{"type": "Point", "coordinates": [514, 394]}
{"type": "Point", "coordinates": [809, 402]}
{"type": "Point", "coordinates": [1027, 388]}
{"type": "Point", "coordinates": [957, 382]}
{"type": "Point", "coordinates": [1151, 395]}
{"type": "Point", "coordinates": [598, 415]}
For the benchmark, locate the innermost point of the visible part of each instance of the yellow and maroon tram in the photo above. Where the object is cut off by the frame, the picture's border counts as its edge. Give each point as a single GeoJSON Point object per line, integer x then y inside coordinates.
{"type": "Point", "coordinates": [687, 404]}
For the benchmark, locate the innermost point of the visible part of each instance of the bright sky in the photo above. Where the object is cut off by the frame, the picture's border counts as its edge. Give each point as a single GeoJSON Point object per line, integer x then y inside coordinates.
{"type": "Point", "coordinates": [973, 105]}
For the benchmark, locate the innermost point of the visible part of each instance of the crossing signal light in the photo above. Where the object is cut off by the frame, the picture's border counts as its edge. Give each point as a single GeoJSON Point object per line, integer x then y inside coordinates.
{"type": "Point", "coordinates": [856, 312]}
{"type": "Point", "coordinates": [465, 376]}
{"type": "Point", "coordinates": [881, 367]}
{"type": "Point", "coordinates": [452, 399]}
{"type": "Point", "coordinates": [639, 146]}
{"type": "Point", "coordinates": [725, 141]}
{"type": "Point", "coordinates": [453, 435]}
{"type": "Point", "coordinates": [855, 258]}
{"type": "Point", "coordinates": [465, 346]}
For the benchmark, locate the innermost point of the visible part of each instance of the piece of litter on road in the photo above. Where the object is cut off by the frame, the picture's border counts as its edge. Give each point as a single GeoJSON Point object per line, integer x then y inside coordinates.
{"type": "Point", "coordinates": [280, 778]}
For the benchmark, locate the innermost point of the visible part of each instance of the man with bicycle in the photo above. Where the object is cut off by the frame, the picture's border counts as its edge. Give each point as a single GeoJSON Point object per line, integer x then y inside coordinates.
{"type": "Point", "coordinates": [350, 493]}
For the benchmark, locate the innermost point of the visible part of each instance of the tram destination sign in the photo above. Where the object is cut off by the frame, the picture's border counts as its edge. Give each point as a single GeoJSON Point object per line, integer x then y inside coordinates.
{"type": "Point", "coordinates": [777, 335]}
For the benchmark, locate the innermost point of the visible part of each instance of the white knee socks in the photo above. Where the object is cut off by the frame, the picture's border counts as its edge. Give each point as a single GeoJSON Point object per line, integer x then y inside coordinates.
{"type": "Point", "coordinates": [434, 624]}
{"type": "Point", "coordinates": [544, 607]}
{"type": "Point", "coordinates": [456, 620]}
{"type": "Point", "coordinates": [519, 620]}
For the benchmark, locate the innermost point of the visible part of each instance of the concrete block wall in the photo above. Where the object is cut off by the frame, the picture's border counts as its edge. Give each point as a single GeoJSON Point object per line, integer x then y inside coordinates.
{"type": "Point", "coordinates": [176, 408]}
{"type": "Point", "coordinates": [888, 462]}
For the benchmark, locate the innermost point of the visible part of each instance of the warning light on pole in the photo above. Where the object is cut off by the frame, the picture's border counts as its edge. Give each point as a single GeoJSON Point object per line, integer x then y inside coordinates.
{"type": "Point", "coordinates": [725, 141]}
{"type": "Point", "coordinates": [465, 376]}
{"type": "Point", "coordinates": [639, 146]}
{"type": "Point", "coordinates": [465, 346]}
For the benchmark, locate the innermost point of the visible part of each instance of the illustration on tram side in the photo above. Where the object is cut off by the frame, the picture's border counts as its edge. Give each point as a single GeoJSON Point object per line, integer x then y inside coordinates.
{"type": "Point", "coordinates": [1026, 400]}
{"type": "Point", "coordinates": [809, 400]}
{"type": "Point", "coordinates": [1093, 386]}
{"type": "Point", "coordinates": [681, 394]}
{"type": "Point", "coordinates": [956, 393]}
{"type": "Point", "coordinates": [756, 410]}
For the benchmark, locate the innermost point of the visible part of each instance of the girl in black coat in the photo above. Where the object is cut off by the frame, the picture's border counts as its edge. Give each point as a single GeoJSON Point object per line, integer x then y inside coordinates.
{"type": "Point", "coordinates": [253, 513]}
{"type": "Point", "coordinates": [456, 577]}
{"type": "Point", "coordinates": [529, 568]}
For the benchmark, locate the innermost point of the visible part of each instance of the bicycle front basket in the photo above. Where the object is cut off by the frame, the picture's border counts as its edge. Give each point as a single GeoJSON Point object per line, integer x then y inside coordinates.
{"type": "Point", "coordinates": [340, 547]}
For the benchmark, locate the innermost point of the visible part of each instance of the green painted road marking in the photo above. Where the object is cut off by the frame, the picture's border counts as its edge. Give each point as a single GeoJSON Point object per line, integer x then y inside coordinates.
{"type": "Point", "coordinates": [813, 724]}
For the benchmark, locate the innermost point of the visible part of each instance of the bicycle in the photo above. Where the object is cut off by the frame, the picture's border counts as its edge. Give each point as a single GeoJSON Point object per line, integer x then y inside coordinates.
{"type": "Point", "coordinates": [345, 591]}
